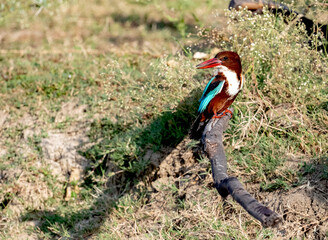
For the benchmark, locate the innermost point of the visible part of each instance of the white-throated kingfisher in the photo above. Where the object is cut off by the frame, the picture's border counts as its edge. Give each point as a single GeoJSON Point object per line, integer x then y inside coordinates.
{"type": "Point", "coordinates": [220, 91]}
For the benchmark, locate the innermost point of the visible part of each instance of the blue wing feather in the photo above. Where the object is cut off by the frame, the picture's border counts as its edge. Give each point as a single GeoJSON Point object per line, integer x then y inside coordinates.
{"type": "Point", "coordinates": [205, 100]}
{"type": "Point", "coordinates": [209, 83]}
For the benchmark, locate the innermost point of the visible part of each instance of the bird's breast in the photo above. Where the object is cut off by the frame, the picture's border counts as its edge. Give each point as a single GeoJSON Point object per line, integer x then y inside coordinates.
{"type": "Point", "coordinates": [232, 84]}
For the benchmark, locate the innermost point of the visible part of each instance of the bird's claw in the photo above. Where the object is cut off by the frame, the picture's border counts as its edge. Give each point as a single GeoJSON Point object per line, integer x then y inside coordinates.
{"type": "Point", "coordinates": [222, 114]}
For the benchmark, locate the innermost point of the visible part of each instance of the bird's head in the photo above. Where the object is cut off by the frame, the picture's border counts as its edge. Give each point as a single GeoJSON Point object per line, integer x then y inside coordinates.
{"type": "Point", "coordinates": [230, 60]}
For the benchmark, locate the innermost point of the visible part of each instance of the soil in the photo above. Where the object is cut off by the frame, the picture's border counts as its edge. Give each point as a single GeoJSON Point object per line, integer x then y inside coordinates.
{"type": "Point", "coordinates": [304, 208]}
{"type": "Point", "coordinates": [59, 155]}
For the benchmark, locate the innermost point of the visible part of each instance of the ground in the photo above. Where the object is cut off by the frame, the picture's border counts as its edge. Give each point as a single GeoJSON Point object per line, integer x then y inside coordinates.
{"type": "Point", "coordinates": [96, 99]}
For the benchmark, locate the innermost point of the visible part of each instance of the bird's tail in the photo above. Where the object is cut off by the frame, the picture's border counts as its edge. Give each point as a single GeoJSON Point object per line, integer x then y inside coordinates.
{"type": "Point", "coordinates": [197, 128]}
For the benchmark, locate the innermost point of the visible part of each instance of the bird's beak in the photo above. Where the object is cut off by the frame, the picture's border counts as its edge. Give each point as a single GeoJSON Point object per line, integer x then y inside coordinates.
{"type": "Point", "coordinates": [209, 63]}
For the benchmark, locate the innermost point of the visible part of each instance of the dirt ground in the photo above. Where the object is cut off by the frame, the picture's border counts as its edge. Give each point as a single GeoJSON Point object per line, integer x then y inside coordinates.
{"type": "Point", "coordinates": [304, 208]}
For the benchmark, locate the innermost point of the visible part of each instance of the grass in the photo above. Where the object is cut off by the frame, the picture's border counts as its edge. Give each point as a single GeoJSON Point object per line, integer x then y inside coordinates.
{"type": "Point", "coordinates": [130, 63]}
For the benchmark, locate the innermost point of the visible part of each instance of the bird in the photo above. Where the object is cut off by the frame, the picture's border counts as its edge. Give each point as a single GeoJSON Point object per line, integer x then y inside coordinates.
{"type": "Point", "coordinates": [221, 90]}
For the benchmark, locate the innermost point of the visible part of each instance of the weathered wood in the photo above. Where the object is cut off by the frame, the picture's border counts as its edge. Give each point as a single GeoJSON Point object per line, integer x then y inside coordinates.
{"type": "Point", "coordinates": [225, 185]}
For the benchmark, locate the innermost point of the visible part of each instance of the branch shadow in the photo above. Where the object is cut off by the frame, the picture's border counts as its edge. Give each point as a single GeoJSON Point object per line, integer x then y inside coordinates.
{"type": "Point", "coordinates": [135, 20]}
{"type": "Point", "coordinates": [166, 130]}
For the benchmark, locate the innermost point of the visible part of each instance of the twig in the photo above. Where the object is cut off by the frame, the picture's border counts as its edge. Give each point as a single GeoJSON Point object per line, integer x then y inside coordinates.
{"type": "Point", "coordinates": [213, 147]}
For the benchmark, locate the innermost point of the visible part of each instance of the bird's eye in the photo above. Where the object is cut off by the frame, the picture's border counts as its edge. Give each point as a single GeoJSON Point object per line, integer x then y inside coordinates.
{"type": "Point", "coordinates": [225, 58]}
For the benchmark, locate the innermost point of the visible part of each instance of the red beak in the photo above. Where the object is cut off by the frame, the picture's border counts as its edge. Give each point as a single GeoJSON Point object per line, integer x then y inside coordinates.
{"type": "Point", "coordinates": [209, 63]}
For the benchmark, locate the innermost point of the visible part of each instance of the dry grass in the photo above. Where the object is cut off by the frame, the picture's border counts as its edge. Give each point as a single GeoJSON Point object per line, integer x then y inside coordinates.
{"type": "Point", "coordinates": [121, 75]}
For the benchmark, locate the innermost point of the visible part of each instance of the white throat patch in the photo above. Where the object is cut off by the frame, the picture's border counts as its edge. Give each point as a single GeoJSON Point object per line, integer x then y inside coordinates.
{"type": "Point", "coordinates": [232, 79]}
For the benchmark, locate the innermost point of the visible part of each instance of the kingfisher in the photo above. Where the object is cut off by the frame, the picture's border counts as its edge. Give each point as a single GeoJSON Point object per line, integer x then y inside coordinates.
{"type": "Point", "coordinates": [220, 92]}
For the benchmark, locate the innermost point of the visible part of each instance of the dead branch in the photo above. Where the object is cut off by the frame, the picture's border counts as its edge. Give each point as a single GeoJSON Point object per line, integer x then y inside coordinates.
{"type": "Point", "coordinates": [213, 147]}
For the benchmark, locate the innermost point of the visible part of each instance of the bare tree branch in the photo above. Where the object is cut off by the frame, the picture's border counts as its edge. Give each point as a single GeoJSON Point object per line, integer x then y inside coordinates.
{"type": "Point", "coordinates": [213, 147]}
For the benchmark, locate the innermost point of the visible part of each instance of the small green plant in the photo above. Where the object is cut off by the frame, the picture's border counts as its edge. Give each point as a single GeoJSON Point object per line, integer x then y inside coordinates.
{"type": "Point", "coordinates": [308, 168]}
{"type": "Point", "coordinates": [277, 184]}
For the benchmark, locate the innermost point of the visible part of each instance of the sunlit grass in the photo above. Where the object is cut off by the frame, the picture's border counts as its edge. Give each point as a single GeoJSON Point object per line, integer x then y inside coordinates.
{"type": "Point", "coordinates": [130, 62]}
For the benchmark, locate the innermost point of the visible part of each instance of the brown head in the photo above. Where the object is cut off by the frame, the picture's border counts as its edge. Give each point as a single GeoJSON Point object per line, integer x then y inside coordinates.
{"type": "Point", "coordinates": [231, 60]}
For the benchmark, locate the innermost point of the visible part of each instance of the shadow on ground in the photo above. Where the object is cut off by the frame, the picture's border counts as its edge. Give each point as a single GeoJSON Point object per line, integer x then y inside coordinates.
{"type": "Point", "coordinates": [303, 207]}
{"type": "Point", "coordinates": [136, 20]}
{"type": "Point", "coordinates": [165, 132]}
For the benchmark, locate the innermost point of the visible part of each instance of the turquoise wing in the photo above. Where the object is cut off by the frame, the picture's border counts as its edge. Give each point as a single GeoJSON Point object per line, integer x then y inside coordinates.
{"type": "Point", "coordinates": [204, 92]}
{"type": "Point", "coordinates": [206, 98]}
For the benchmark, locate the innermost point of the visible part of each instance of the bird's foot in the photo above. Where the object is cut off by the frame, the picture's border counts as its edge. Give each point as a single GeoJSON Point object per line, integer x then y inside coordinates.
{"type": "Point", "coordinates": [222, 114]}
